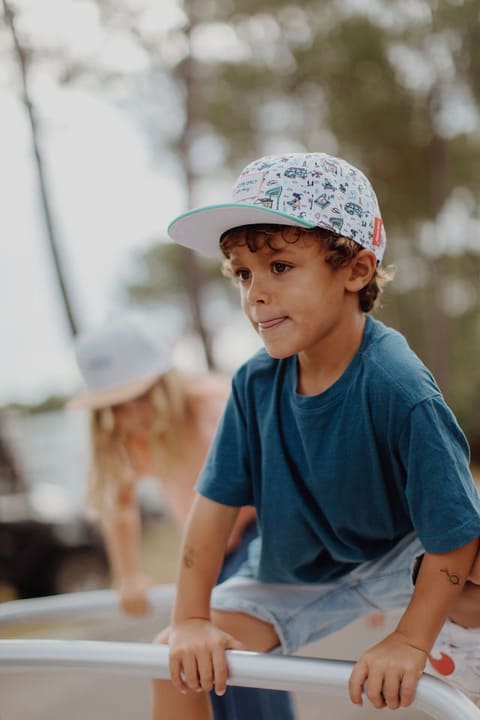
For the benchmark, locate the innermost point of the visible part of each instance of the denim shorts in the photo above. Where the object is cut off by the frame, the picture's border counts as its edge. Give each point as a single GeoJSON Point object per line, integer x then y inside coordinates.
{"type": "Point", "coordinates": [304, 613]}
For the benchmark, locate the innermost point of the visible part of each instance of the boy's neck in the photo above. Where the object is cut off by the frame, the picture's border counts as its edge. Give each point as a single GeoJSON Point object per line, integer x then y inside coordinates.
{"type": "Point", "coordinates": [321, 368]}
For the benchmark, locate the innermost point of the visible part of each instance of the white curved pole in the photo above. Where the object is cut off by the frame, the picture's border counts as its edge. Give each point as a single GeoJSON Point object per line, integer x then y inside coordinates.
{"type": "Point", "coordinates": [434, 697]}
{"type": "Point", "coordinates": [81, 603]}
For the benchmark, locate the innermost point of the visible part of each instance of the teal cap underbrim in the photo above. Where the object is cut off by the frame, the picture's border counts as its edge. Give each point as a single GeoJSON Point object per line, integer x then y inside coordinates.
{"type": "Point", "coordinates": [200, 229]}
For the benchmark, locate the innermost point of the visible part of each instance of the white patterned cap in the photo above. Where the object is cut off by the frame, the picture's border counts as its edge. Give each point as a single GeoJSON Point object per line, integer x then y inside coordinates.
{"type": "Point", "coordinates": [300, 189]}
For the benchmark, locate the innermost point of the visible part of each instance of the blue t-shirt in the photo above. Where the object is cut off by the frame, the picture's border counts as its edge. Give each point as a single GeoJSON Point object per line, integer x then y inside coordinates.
{"type": "Point", "coordinates": [340, 477]}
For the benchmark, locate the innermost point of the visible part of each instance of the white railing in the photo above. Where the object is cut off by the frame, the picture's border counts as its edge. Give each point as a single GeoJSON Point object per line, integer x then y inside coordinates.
{"type": "Point", "coordinates": [328, 677]}
{"type": "Point", "coordinates": [78, 604]}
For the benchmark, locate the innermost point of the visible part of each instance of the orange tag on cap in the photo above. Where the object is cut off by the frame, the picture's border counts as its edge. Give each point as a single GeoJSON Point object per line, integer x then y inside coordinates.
{"type": "Point", "coordinates": [377, 232]}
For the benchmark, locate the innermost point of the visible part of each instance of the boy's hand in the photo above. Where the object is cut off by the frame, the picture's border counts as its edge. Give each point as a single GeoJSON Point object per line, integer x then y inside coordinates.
{"type": "Point", "coordinates": [197, 655]}
{"type": "Point", "coordinates": [392, 670]}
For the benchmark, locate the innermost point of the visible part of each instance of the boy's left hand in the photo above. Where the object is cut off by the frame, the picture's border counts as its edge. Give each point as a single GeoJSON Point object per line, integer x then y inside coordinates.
{"type": "Point", "coordinates": [392, 670]}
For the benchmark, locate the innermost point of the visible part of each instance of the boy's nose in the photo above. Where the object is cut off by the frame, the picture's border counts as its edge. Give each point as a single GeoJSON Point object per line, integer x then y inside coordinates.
{"type": "Point", "coordinates": [258, 292]}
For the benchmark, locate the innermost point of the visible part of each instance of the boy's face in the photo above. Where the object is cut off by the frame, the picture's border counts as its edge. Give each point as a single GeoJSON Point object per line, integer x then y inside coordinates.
{"type": "Point", "coordinates": [293, 298]}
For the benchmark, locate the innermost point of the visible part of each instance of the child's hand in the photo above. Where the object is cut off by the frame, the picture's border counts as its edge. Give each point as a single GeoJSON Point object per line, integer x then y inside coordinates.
{"type": "Point", "coordinates": [197, 655]}
{"type": "Point", "coordinates": [392, 670]}
{"type": "Point", "coordinates": [133, 595]}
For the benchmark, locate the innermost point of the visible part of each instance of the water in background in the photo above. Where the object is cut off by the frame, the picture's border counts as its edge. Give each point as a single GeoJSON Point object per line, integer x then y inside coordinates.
{"type": "Point", "coordinates": [51, 450]}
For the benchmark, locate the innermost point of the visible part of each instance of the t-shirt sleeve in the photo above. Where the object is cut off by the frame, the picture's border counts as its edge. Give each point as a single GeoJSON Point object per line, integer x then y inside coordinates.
{"type": "Point", "coordinates": [226, 476]}
{"type": "Point", "coordinates": [443, 500]}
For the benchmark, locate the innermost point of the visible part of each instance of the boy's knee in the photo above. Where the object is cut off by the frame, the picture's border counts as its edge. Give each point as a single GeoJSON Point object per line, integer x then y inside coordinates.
{"type": "Point", "coordinates": [255, 634]}
{"type": "Point", "coordinates": [162, 637]}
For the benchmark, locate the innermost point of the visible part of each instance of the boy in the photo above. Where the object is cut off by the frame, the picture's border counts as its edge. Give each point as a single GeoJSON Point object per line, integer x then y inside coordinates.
{"type": "Point", "coordinates": [337, 434]}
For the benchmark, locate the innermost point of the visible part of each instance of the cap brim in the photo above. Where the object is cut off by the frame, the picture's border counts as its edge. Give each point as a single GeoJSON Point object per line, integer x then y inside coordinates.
{"type": "Point", "coordinates": [106, 398]}
{"type": "Point", "coordinates": [202, 228]}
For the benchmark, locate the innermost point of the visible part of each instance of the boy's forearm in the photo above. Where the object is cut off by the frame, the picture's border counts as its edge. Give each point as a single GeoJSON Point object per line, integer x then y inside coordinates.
{"type": "Point", "coordinates": [438, 586]}
{"type": "Point", "coordinates": [201, 556]}
{"type": "Point", "coordinates": [195, 581]}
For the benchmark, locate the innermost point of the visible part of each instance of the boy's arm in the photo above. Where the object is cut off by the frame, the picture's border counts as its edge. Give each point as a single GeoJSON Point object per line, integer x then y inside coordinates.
{"type": "Point", "coordinates": [121, 529]}
{"type": "Point", "coordinates": [197, 657]}
{"type": "Point", "coordinates": [394, 666]}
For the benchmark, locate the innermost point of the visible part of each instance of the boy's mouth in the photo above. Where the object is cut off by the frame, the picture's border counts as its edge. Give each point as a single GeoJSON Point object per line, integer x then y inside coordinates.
{"type": "Point", "coordinates": [268, 324]}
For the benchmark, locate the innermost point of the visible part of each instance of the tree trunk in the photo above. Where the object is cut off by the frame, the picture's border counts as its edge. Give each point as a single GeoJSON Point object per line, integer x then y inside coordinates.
{"type": "Point", "coordinates": [193, 270]}
{"type": "Point", "coordinates": [21, 55]}
{"type": "Point", "coordinates": [438, 321]}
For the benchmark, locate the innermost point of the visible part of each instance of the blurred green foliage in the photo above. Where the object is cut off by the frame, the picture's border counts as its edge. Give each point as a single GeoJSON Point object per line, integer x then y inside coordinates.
{"type": "Point", "coordinates": [48, 404]}
{"type": "Point", "coordinates": [395, 90]}
{"type": "Point", "coordinates": [393, 86]}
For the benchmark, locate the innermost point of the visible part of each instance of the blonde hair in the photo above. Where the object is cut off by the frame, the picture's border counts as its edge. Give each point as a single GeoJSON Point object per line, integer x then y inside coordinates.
{"type": "Point", "coordinates": [340, 250]}
{"type": "Point", "coordinates": [111, 469]}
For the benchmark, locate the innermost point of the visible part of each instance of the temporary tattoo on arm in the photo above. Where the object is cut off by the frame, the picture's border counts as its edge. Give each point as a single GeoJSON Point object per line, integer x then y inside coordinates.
{"type": "Point", "coordinates": [188, 556]}
{"type": "Point", "coordinates": [454, 579]}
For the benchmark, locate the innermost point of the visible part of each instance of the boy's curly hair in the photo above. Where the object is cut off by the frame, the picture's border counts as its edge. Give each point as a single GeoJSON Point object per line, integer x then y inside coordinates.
{"type": "Point", "coordinates": [340, 250]}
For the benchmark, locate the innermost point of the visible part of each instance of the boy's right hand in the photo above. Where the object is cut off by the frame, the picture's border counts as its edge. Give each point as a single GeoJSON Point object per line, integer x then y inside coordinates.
{"type": "Point", "coordinates": [197, 655]}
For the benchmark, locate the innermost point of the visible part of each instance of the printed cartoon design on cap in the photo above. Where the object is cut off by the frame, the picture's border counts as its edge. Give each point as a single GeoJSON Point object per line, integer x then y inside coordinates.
{"type": "Point", "coordinates": [318, 189]}
{"type": "Point", "coordinates": [300, 189]}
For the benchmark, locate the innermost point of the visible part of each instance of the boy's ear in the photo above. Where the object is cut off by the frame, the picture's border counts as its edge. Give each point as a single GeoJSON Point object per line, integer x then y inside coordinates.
{"type": "Point", "coordinates": [362, 269]}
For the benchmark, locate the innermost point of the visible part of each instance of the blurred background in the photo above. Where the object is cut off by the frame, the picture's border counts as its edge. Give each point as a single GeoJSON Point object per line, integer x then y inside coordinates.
{"type": "Point", "coordinates": [115, 116]}
{"type": "Point", "coordinates": [118, 115]}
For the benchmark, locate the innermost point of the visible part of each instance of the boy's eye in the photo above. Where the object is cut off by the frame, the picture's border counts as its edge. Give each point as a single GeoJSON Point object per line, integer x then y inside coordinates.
{"type": "Point", "coordinates": [280, 267]}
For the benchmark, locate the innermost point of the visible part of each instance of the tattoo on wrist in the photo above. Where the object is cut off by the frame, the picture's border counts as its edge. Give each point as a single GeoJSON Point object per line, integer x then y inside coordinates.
{"type": "Point", "coordinates": [454, 579]}
{"type": "Point", "coordinates": [188, 556]}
